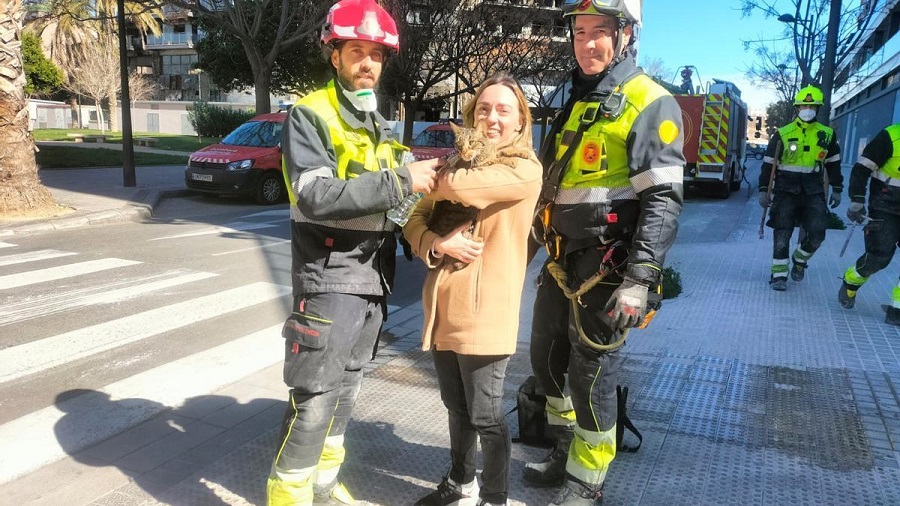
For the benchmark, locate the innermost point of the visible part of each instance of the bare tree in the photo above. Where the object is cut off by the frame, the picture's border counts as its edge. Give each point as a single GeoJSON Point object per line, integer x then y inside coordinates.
{"type": "Point", "coordinates": [449, 47]}
{"type": "Point", "coordinates": [142, 87]}
{"type": "Point", "coordinates": [806, 28]}
{"type": "Point", "coordinates": [246, 20]}
{"type": "Point", "coordinates": [96, 75]}
{"type": "Point", "coordinates": [656, 67]}
{"type": "Point", "coordinates": [20, 189]}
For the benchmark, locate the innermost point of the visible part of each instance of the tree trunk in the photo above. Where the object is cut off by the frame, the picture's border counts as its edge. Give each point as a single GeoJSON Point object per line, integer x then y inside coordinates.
{"type": "Point", "coordinates": [410, 107]}
{"type": "Point", "coordinates": [75, 114]}
{"type": "Point", "coordinates": [101, 122]}
{"type": "Point", "coordinates": [263, 83]}
{"type": "Point", "coordinates": [113, 114]}
{"type": "Point", "coordinates": [20, 188]}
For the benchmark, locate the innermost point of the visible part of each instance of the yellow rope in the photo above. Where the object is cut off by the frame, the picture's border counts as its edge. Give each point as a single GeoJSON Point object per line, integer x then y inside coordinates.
{"type": "Point", "coordinates": [562, 279]}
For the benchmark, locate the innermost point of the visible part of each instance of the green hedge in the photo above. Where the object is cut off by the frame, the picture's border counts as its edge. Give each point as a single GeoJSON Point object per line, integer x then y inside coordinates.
{"type": "Point", "coordinates": [211, 121]}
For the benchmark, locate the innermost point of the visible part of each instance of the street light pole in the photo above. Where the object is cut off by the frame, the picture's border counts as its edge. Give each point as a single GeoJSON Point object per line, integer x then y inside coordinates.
{"type": "Point", "coordinates": [834, 24]}
{"type": "Point", "coordinates": [128, 175]}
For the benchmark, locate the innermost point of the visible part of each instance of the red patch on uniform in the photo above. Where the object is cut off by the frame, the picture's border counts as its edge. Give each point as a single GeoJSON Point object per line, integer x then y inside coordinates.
{"type": "Point", "coordinates": [329, 242]}
{"type": "Point", "coordinates": [821, 155]}
{"type": "Point", "coordinates": [590, 153]}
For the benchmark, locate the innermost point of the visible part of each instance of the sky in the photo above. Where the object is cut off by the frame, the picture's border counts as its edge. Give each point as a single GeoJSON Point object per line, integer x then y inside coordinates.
{"type": "Point", "coordinates": [709, 35]}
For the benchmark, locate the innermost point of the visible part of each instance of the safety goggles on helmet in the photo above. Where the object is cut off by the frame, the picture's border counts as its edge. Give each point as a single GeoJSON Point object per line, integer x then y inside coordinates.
{"type": "Point", "coordinates": [630, 10]}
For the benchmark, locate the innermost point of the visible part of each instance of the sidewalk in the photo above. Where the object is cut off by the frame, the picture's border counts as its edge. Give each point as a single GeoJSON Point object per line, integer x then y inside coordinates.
{"type": "Point", "coordinates": [98, 196]}
{"type": "Point", "coordinates": [745, 396]}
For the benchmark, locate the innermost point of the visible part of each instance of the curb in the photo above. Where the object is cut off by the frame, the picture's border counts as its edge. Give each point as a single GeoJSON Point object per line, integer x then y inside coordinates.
{"type": "Point", "coordinates": [141, 209]}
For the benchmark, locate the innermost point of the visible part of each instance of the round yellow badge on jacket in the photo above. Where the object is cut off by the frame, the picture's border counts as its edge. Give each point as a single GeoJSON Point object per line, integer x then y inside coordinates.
{"type": "Point", "coordinates": [668, 131]}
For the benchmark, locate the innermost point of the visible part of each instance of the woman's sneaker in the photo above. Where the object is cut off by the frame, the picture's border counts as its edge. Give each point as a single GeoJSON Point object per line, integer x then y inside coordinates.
{"type": "Point", "coordinates": [450, 493]}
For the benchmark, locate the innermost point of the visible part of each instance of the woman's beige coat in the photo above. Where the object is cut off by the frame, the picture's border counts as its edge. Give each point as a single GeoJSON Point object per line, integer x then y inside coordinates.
{"type": "Point", "coordinates": [475, 310]}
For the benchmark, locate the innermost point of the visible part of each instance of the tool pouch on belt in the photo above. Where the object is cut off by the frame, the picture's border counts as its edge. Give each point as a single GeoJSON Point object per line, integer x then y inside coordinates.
{"type": "Point", "coordinates": [305, 335]}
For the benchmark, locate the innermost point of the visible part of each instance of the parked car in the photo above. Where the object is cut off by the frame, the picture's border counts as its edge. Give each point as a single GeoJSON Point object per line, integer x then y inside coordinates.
{"type": "Point", "coordinates": [246, 162]}
{"type": "Point", "coordinates": [756, 150]}
{"type": "Point", "coordinates": [434, 142]}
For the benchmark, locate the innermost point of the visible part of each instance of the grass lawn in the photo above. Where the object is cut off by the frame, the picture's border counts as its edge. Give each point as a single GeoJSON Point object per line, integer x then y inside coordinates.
{"type": "Point", "coordinates": [63, 157]}
{"type": "Point", "coordinates": [164, 141]}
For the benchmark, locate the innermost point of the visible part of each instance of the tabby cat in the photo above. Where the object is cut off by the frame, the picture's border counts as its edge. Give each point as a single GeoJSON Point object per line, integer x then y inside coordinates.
{"type": "Point", "coordinates": [474, 151]}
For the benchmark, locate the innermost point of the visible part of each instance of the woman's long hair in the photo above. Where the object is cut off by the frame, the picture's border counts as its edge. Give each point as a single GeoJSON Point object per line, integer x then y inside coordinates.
{"type": "Point", "coordinates": [524, 137]}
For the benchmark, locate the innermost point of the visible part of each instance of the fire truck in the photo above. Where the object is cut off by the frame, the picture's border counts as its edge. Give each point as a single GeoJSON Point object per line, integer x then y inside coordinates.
{"type": "Point", "coordinates": [715, 133]}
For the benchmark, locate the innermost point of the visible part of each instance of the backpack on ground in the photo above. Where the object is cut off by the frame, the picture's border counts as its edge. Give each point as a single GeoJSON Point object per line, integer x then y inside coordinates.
{"type": "Point", "coordinates": [535, 431]}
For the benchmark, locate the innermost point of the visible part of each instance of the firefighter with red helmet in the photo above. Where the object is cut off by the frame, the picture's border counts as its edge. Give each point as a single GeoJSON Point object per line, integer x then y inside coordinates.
{"type": "Point", "coordinates": [805, 152]}
{"type": "Point", "coordinates": [344, 172]}
{"type": "Point", "coordinates": [612, 194]}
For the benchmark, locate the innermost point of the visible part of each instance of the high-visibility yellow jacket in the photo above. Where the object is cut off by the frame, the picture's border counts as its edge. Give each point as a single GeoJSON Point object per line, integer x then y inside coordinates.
{"type": "Point", "coordinates": [624, 179]}
{"type": "Point", "coordinates": [344, 172]}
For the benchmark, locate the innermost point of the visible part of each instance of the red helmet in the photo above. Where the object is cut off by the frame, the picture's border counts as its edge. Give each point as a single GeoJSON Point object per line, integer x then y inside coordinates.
{"type": "Point", "coordinates": [360, 20]}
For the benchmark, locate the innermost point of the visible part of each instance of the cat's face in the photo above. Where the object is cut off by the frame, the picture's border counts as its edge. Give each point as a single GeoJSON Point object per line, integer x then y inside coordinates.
{"type": "Point", "coordinates": [470, 142]}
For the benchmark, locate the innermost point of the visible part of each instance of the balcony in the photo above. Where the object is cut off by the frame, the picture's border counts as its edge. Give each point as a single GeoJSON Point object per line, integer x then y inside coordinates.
{"type": "Point", "coordinates": [172, 41]}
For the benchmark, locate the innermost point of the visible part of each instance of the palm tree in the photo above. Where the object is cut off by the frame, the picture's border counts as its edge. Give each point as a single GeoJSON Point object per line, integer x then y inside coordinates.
{"type": "Point", "coordinates": [20, 188]}
{"type": "Point", "coordinates": [65, 29]}
{"type": "Point", "coordinates": [72, 29]}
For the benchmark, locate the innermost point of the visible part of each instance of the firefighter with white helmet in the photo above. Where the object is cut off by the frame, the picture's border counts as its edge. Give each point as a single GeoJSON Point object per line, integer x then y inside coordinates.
{"type": "Point", "coordinates": [805, 152]}
{"type": "Point", "coordinates": [344, 172]}
{"type": "Point", "coordinates": [612, 193]}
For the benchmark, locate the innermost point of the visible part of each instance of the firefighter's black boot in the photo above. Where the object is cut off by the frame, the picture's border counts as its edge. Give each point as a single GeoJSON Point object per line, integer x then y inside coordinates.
{"type": "Point", "coordinates": [847, 295]}
{"type": "Point", "coordinates": [575, 493]}
{"type": "Point", "coordinates": [892, 316]}
{"type": "Point", "coordinates": [778, 284]}
{"type": "Point", "coordinates": [798, 271]}
{"type": "Point", "coordinates": [551, 472]}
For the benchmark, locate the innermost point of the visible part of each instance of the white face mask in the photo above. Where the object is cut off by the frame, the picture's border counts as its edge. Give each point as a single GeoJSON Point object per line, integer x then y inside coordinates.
{"type": "Point", "coordinates": [807, 115]}
{"type": "Point", "coordinates": [364, 100]}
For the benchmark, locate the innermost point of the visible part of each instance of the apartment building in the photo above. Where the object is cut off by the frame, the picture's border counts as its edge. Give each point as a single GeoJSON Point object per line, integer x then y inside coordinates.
{"type": "Point", "coordinates": [866, 98]}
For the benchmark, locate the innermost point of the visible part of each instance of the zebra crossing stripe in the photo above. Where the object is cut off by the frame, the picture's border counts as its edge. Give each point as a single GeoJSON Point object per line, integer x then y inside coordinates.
{"type": "Point", "coordinates": [7, 245]}
{"type": "Point", "coordinates": [33, 256]}
{"type": "Point", "coordinates": [37, 356]}
{"type": "Point", "coordinates": [61, 272]}
{"type": "Point", "coordinates": [106, 293]}
{"type": "Point", "coordinates": [51, 433]}
{"type": "Point", "coordinates": [238, 226]}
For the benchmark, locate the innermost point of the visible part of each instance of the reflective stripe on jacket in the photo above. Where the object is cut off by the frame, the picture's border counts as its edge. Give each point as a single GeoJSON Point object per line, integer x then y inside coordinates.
{"type": "Point", "coordinates": [604, 189]}
{"type": "Point", "coordinates": [339, 166]}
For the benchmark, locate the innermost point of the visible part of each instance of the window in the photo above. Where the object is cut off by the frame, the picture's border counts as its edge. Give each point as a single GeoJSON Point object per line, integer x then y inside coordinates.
{"type": "Point", "coordinates": [178, 64]}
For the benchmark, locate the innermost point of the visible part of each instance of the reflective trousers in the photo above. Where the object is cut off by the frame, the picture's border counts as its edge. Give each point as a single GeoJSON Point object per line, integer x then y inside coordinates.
{"type": "Point", "coordinates": [328, 339]}
{"type": "Point", "coordinates": [556, 349]}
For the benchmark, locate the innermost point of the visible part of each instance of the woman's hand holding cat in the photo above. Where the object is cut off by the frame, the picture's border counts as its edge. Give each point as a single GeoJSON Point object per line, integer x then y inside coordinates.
{"type": "Point", "coordinates": [457, 245]}
{"type": "Point", "coordinates": [424, 174]}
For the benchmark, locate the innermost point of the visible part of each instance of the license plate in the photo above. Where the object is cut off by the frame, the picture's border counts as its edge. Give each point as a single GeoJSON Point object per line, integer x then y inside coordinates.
{"type": "Point", "coordinates": [201, 177]}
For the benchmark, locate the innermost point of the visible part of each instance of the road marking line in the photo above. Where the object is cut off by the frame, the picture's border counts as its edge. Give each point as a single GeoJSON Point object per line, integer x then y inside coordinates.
{"type": "Point", "coordinates": [60, 272]}
{"type": "Point", "coordinates": [283, 213]}
{"type": "Point", "coordinates": [106, 293]}
{"type": "Point", "coordinates": [33, 256]}
{"type": "Point", "coordinates": [37, 356]}
{"type": "Point", "coordinates": [276, 243]}
{"type": "Point", "coordinates": [7, 245]}
{"type": "Point", "coordinates": [238, 226]}
{"type": "Point", "coordinates": [49, 434]}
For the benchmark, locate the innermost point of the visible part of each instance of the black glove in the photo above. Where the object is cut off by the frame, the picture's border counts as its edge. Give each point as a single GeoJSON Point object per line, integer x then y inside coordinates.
{"type": "Point", "coordinates": [627, 305]}
{"type": "Point", "coordinates": [835, 199]}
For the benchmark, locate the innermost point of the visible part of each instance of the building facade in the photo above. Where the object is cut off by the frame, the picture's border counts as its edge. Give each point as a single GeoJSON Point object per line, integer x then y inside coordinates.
{"type": "Point", "coordinates": [865, 98]}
